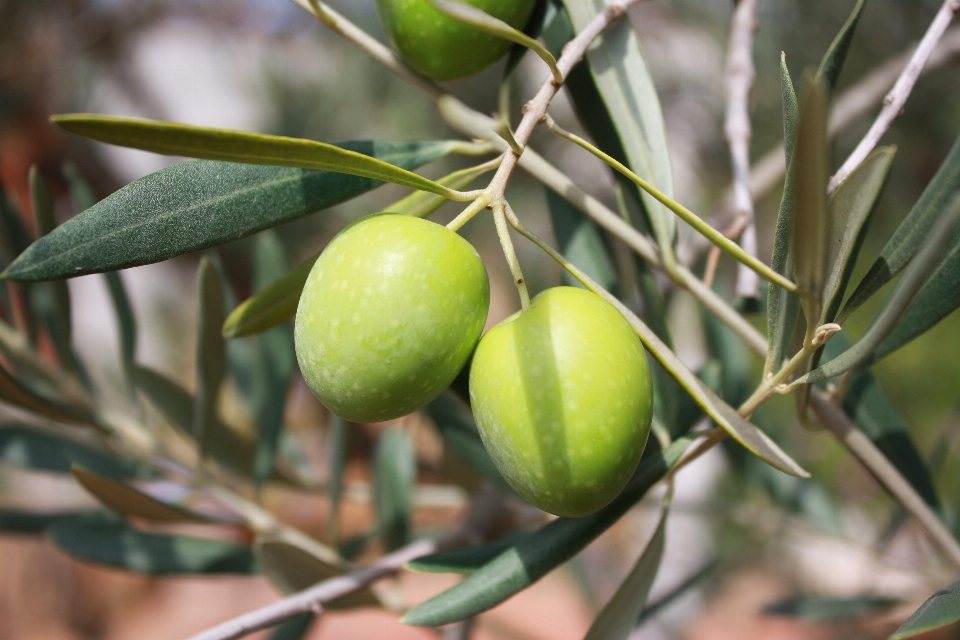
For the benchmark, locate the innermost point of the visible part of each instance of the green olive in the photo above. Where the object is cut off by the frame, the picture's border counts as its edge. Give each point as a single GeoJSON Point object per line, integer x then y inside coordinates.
{"type": "Point", "coordinates": [563, 399]}
{"type": "Point", "coordinates": [442, 48]}
{"type": "Point", "coordinates": [389, 315]}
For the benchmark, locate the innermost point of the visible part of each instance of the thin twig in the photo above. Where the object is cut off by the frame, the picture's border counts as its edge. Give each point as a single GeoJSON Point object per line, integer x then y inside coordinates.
{"type": "Point", "coordinates": [894, 101]}
{"type": "Point", "coordinates": [739, 80]}
{"type": "Point", "coordinates": [713, 258]}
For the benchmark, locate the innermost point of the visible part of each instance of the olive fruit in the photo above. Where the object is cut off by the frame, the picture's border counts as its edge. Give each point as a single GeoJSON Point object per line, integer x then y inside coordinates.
{"type": "Point", "coordinates": [390, 313]}
{"type": "Point", "coordinates": [441, 48]}
{"type": "Point", "coordinates": [563, 398]}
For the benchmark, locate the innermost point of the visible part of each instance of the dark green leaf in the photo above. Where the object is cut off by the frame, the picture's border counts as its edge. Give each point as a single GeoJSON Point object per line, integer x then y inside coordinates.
{"type": "Point", "coordinates": [173, 138]}
{"type": "Point", "coordinates": [836, 55]}
{"type": "Point", "coordinates": [211, 353]}
{"type": "Point", "coordinates": [783, 308]}
{"type": "Point", "coordinates": [131, 502]}
{"type": "Point", "coordinates": [195, 205]}
{"type": "Point", "coordinates": [125, 319]}
{"type": "Point", "coordinates": [618, 618]}
{"type": "Point", "coordinates": [31, 448]}
{"type": "Point", "coordinates": [80, 190]}
{"type": "Point", "coordinates": [940, 610]}
{"type": "Point", "coordinates": [938, 297]}
{"type": "Point", "coordinates": [810, 223]}
{"type": "Point", "coordinates": [849, 211]}
{"type": "Point", "coordinates": [271, 306]}
{"type": "Point", "coordinates": [466, 560]}
{"type": "Point", "coordinates": [51, 406]}
{"type": "Point", "coordinates": [623, 80]}
{"type": "Point", "coordinates": [908, 237]}
{"type": "Point", "coordinates": [579, 240]}
{"type": "Point", "coordinates": [35, 522]}
{"type": "Point", "coordinates": [337, 452]}
{"type": "Point", "coordinates": [542, 12]}
{"type": "Point", "coordinates": [460, 434]}
{"type": "Point", "coordinates": [292, 568]}
{"type": "Point", "coordinates": [530, 559]}
{"type": "Point", "coordinates": [395, 472]}
{"type": "Point", "coordinates": [116, 544]}
{"type": "Point", "coordinates": [294, 628]}
{"type": "Point", "coordinates": [829, 609]}
{"type": "Point", "coordinates": [176, 404]}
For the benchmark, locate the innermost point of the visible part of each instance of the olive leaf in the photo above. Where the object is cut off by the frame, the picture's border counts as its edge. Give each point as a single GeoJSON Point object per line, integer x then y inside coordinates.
{"type": "Point", "coordinates": [58, 408]}
{"type": "Point", "coordinates": [125, 320]}
{"type": "Point", "coordinates": [832, 63]}
{"type": "Point", "coordinates": [171, 138]}
{"type": "Point", "coordinates": [940, 610]}
{"type": "Point", "coordinates": [198, 204]}
{"type": "Point", "coordinates": [292, 567]}
{"type": "Point", "coordinates": [36, 522]}
{"type": "Point", "coordinates": [618, 618]}
{"type": "Point", "coordinates": [113, 543]}
{"type": "Point", "coordinates": [580, 241]}
{"type": "Point", "coordinates": [621, 76]}
{"type": "Point", "coordinates": [211, 353]}
{"type": "Point", "coordinates": [395, 471]}
{"type": "Point", "coordinates": [132, 502]}
{"type": "Point", "coordinates": [466, 560]}
{"type": "Point", "coordinates": [829, 609]}
{"type": "Point", "coordinates": [532, 557]}
{"type": "Point", "coordinates": [41, 450]}
{"type": "Point", "coordinates": [271, 306]}
{"type": "Point", "coordinates": [295, 628]}
{"type": "Point", "coordinates": [909, 236]}
{"type": "Point", "coordinates": [337, 454]}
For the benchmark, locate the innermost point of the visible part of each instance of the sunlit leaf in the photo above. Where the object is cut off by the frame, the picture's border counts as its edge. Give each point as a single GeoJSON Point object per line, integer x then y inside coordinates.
{"type": "Point", "coordinates": [618, 618]}
{"type": "Point", "coordinates": [528, 560]}
{"type": "Point", "coordinates": [292, 568]}
{"type": "Point", "coordinates": [172, 138]}
{"type": "Point", "coordinates": [198, 204]}
{"type": "Point", "coordinates": [620, 71]}
{"type": "Point", "coordinates": [849, 213]}
{"type": "Point", "coordinates": [909, 236]}
{"type": "Point", "coordinates": [128, 501]}
{"type": "Point", "coordinates": [114, 543]}
{"type": "Point", "coordinates": [395, 469]}
{"type": "Point", "coordinates": [940, 610]}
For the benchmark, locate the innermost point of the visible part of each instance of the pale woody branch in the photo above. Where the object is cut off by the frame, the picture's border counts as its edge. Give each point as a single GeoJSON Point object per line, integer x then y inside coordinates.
{"type": "Point", "coordinates": [894, 101]}
{"type": "Point", "coordinates": [739, 80]}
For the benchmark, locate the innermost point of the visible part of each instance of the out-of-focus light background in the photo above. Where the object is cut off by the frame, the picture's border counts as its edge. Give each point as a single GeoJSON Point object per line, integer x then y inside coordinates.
{"type": "Point", "coordinates": [265, 65]}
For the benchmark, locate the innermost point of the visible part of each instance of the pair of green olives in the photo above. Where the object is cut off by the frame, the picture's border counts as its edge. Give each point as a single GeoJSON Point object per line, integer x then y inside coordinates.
{"type": "Point", "coordinates": [561, 392]}
{"type": "Point", "coordinates": [441, 48]}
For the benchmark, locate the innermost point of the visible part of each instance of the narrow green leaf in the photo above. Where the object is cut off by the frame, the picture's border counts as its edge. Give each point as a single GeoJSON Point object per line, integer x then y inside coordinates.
{"type": "Point", "coordinates": [618, 618]}
{"type": "Point", "coordinates": [810, 223]}
{"type": "Point", "coordinates": [211, 353]}
{"type": "Point", "coordinates": [36, 522]}
{"type": "Point", "coordinates": [271, 306]}
{"type": "Point", "coordinates": [31, 448]}
{"type": "Point", "coordinates": [580, 241]}
{"type": "Point", "coordinates": [940, 610]}
{"type": "Point", "coordinates": [873, 412]}
{"type": "Point", "coordinates": [479, 19]}
{"type": "Point", "coordinates": [542, 13]}
{"type": "Point", "coordinates": [530, 559]}
{"type": "Point", "coordinates": [42, 202]}
{"type": "Point", "coordinates": [900, 298]}
{"type": "Point", "coordinates": [131, 502]}
{"type": "Point", "coordinates": [125, 319]}
{"type": "Point", "coordinates": [421, 204]}
{"type": "Point", "coordinates": [226, 446]}
{"type": "Point", "coordinates": [829, 609]}
{"type": "Point", "coordinates": [114, 543]}
{"type": "Point", "coordinates": [466, 560]}
{"type": "Point", "coordinates": [292, 568]}
{"type": "Point", "coordinates": [295, 628]}
{"type": "Point", "coordinates": [849, 212]}
{"type": "Point", "coordinates": [395, 471]}
{"type": "Point", "coordinates": [337, 454]}
{"type": "Point", "coordinates": [172, 138]}
{"type": "Point", "coordinates": [623, 80]}
{"type": "Point", "coordinates": [81, 192]}
{"type": "Point", "coordinates": [460, 434]}
{"type": "Point", "coordinates": [15, 393]}
{"type": "Point", "coordinates": [832, 63]}
{"type": "Point", "coordinates": [199, 204]}
{"type": "Point", "coordinates": [908, 237]}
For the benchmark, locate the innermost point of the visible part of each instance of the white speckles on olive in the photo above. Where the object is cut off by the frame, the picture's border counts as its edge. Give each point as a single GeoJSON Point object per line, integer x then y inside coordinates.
{"type": "Point", "coordinates": [394, 344]}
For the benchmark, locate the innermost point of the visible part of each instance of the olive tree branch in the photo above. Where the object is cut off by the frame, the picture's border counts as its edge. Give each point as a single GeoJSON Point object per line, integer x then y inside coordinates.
{"type": "Point", "coordinates": [849, 106]}
{"type": "Point", "coordinates": [739, 80]}
{"type": "Point", "coordinates": [894, 101]}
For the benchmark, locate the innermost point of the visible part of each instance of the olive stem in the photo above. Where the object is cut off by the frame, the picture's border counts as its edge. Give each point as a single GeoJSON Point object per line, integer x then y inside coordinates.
{"type": "Point", "coordinates": [467, 214]}
{"type": "Point", "coordinates": [503, 231]}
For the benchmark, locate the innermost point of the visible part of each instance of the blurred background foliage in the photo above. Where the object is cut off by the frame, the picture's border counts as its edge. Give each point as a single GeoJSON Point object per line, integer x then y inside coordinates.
{"type": "Point", "coordinates": [264, 65]}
